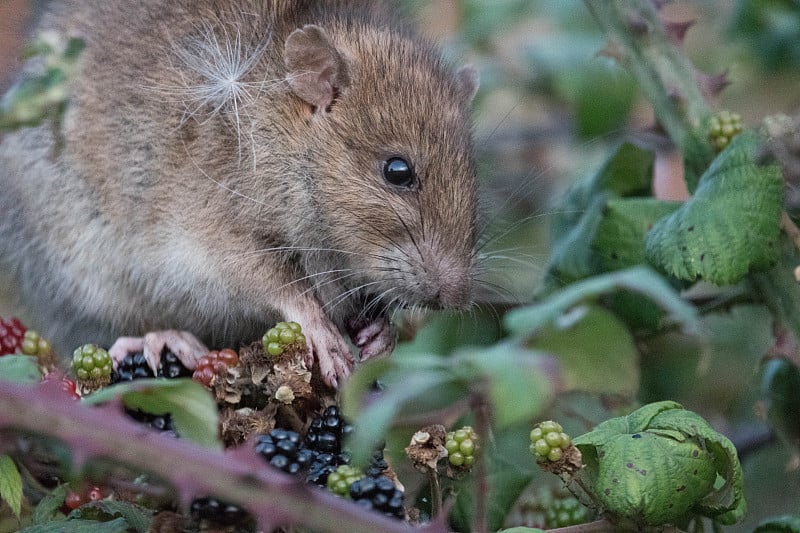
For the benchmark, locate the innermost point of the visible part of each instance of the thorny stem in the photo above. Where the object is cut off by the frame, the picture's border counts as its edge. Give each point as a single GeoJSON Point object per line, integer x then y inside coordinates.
{"type": "Point", "coordinates": [480, 405]}
{"type": "Point", "coordinates": [790, 228]}
{"type": "Point", "coordinates": [602, 526]}
{"type": "Point", "coordinates": [241, 477]}
{"type": "Point", "coordinates": [664, 73]}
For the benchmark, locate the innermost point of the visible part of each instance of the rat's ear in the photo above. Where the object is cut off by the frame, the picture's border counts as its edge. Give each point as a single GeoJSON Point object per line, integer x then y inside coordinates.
{"type": "Point", "coordinates": [467, 81]}
{"type": "Point", "coordinates": [317, 72]}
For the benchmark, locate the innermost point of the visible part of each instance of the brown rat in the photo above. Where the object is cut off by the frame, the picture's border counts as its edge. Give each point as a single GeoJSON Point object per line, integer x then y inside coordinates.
{"type": "Point", "coordinates": [230, 163]}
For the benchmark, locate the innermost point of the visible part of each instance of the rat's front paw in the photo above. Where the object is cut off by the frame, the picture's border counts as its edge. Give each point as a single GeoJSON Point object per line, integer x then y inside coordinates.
{"type": "Point", "coordinates": [330, 351]}
{"type": "Point", "coordinates": [374, 336]}
{"type": "Point", "coordinates": [182, 343]}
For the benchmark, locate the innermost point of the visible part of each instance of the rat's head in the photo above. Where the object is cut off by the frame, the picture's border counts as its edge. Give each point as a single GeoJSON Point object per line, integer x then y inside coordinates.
{"type": "Point", "coordinates": [390, 169]}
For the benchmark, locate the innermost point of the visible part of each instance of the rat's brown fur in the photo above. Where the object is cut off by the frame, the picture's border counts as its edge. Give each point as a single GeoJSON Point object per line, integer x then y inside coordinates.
{"type": "Point", "coordinates": [218, 209]}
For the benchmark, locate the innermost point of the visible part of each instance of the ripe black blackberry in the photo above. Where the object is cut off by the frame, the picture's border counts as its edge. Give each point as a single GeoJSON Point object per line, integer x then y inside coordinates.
{"type": "Point", "coordinates": [322, 465]}
{"type": "Point", "coordinates": [380, 494]}
{"type": "Point", "coordinates": [162, 423]}
{"type": "Point", "coordinates": [218, 512]}
{"type": "Point", "coordinates": [283, 449]}
{"type": "Point", "coordinates": [134, 366]}
{"type": "Point", "coordinates": [171, 367]}
{"type": "Point", "coordinates": [327, 432]}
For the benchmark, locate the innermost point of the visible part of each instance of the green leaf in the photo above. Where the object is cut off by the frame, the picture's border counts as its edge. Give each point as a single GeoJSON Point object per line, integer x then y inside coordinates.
{"type": "Point", "coordinates": [619, 242]}
{"type": "Point", "coordinates": [659, 464]}
{"type": "Point", "coordinates": [373, 421]}
{"type": "Point", "coordinates": [780, 388]}
{"type": "Point", "coordinates": [10, 484]}
{"type": "Point", "coordinates": [525, 321]}
{"type": "Point", "coordinates": [138, 518]}
{"type": "Point", "coordinates": [49, 506]}
{"type": "Point", "coordinates": [19, 369]}
{"type": "Point", "coordinates": [596, 351]}
{"type": "Point", "coordinates": [628, 171]}
{"type": "Point", "coordinates": [192, 407]}
{"type": "Point", "coordinates": [118, 525]}
{"type": "Point", "coordinates": [780, 524]}
{"type": "Point", "coordinates": [520, 387]}
{"type": "Point", "coordinates": [731, 224]}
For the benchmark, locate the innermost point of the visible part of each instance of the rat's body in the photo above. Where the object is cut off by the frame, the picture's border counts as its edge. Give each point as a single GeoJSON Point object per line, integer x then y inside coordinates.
{"type": "Point", "coordinates": [224, 168]}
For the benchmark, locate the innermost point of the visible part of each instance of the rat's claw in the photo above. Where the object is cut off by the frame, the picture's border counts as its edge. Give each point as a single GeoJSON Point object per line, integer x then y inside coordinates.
{"type": "Point", "coordinates": [330, 351]}
{"type": "Point", "coordinates": [182, 343]}
{"type": "Point", "coordinates": [123, 346]}
{"type": "Point", "coordinates": [374, 338]}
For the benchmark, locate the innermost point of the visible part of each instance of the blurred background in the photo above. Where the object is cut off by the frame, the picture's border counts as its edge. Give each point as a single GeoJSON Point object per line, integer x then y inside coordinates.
{"type": "Point", "coordinates": [549, 111]}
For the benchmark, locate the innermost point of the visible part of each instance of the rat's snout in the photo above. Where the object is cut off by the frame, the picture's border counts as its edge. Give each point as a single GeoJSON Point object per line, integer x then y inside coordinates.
{"type": "Point", "coordinates": [448, 283]}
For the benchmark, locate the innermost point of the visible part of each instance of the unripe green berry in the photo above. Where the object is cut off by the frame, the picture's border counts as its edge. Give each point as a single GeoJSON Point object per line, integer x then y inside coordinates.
{"type": "Point", "coordinates": [553, 439]}
{"type": "Point", "coordinates": [466, 447]}
{"type": "Point", "coordinates": [536, 434]}
{"type": "Point", "coordinates": [274, 348]}
{"type": "Point", "coordinates": [339, 481]}
{"type": "Point", "coordinates": [555, 454]}
{"type": "Point", "coordinates": [287, 336]}
{"type": "Point", "coordinates": [456, 459]}
{"type": "Point", "coordinates": [541, 447]}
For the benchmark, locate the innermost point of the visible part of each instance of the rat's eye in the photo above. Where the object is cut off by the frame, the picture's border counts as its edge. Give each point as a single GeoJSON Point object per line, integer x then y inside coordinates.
{"type": "Point", "coordinates": [398, 172]}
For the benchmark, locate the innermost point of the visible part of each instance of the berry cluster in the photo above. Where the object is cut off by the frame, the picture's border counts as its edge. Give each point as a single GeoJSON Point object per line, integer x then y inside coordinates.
{"type": "Point", "coordinates": [213, 364]}
{"type": "Point", "coordinates": [34, 344]}
{"type": "Point", "coordinates": [339, 480]}
{"type": "Point", "coordinates": [284, 450]}
{"type": "Point", "coordinates": [12, 333]}
{"type": "Point", "coordinates": [219, 512]}
{"type": "Point", "coordinates": [67, 385]}
{"type": "Point", "coordinates": [379, 494]}
{"type": "Point", "coordinates": [162, 423]}
{"type": "Point", "coordinates": [326, 433]}
{"type": "Point", "coordinates": [90, 362]}
{"type": "Point", "coordinates": [461, 446]}
{"type": "Point", "coordinates": [722, 127]}
{"type": "Point", "coordinates": [282, 335]}
{"type": "Point", "coordinates": [563, 512]}
{"type": "Point", "coordinates": [134, 366]}
{"type": "Point", "coordinates": [548, 441]}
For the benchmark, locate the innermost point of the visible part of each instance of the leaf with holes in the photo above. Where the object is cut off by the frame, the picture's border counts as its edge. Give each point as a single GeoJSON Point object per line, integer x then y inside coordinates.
{"type": "Point", "coordinates": [660, 463]}
{"type": "Point", "coordinates": [730, 225]}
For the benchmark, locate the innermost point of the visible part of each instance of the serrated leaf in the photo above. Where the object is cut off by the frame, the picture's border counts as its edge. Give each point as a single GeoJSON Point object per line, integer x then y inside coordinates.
{"type": "Point", "coordinates": [49, 506]}
{"type": "Point", "coordinates": [731, 224]}
{"type": "Point", "coordinates": [660, 463]}
{"type": "Point", "coordinates": [138, 518]}
{"type": "Point", "coordinates": [620, 238]}
{"type": "Point", "coordinates": [19, 369]}
{"type": "Point", "coordinates": [780, 524]}
{"type": "Point", "coordinates": [10, 484]}
{"type": "Point", "coordinates": [526, 321]}
{"type": "Point", "coordinates": [596, 351]}
{"type": "Point", "coordinates": [118, 525]}
{"type": "Point", "coordinates": [628, 171]}
{"type": "Point", "coordinates": [192, 407]}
